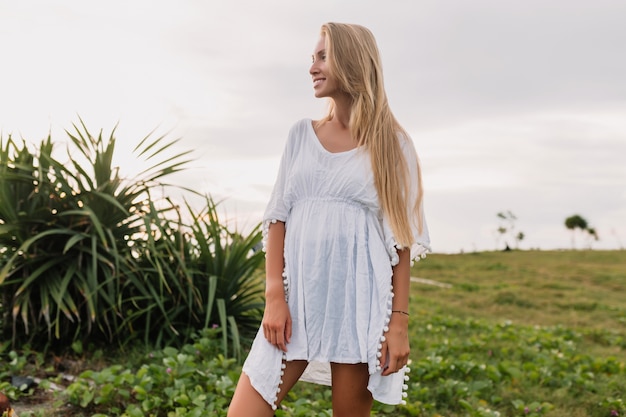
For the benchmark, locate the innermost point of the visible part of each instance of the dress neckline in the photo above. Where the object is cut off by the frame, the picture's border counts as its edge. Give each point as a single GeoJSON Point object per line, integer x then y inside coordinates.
{"type": "Point", "coordinates": [322, 147]}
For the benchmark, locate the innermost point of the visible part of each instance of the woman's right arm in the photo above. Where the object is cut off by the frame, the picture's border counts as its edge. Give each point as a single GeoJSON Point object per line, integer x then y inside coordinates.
{"type": "Point", "coordinates": [276, 318]}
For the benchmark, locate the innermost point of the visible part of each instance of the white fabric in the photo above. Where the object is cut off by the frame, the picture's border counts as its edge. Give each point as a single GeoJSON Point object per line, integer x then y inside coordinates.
{"type": "Point", "coordinates": [339, 253]}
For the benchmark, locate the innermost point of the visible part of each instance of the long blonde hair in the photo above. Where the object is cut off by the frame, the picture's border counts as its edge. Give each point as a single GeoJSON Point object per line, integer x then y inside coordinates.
{"type": "Point", "coordinates": [354, 60]}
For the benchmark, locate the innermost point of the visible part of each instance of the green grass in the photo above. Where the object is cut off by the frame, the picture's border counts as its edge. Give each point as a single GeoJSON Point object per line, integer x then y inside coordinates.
{"type": "Point", "coordinates": [517, 334]}
{"type": "Point", "coordinates": [561, 313]}
{"type": "Point", "coordinates": [581, 290]}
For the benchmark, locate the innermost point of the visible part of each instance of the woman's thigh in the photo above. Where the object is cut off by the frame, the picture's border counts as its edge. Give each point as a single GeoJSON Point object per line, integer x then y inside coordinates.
{"type": "Point", "coordinates": [247, 402]}
{"type": "Point", "coordinates": [349, 387]}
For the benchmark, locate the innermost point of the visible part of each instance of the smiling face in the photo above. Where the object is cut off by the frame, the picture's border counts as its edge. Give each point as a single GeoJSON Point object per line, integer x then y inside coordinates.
{"type": "Point", "coordinates": [324, 84]}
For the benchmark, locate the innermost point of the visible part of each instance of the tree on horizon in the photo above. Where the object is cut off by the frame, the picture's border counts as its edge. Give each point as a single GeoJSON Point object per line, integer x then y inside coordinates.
{"type": "Point", "coordinates": [576, 221]}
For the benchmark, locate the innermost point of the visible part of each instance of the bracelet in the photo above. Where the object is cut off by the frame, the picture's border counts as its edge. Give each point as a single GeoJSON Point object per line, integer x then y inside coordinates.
{"type": "Point", "coordinates": [400, 311]}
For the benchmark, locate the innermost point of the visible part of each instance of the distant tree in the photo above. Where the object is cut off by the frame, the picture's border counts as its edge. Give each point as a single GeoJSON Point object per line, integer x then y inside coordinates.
{"type": "Point", "coordinates": [506, 229]}
{"type": "Point", "coordinates": [592, 235]}
{"type": "Point", "coordinates": [575, 222]}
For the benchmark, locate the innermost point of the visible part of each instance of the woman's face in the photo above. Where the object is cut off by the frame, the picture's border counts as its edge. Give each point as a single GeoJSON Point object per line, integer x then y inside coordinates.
{"type": "Point", "coordinates": [324, 84]}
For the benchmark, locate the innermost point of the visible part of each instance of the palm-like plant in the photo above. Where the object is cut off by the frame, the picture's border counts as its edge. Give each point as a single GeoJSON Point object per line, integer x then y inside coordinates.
{"type": "Point", "coordinates": [66, 233]}
{"type": "Point", "coordinates": [161, 304]}
{"type": "Point", "coordinates": [204, 276]}
{"type": "Point", "coordinates": [87, 254]}
{"type": "Point", "coordinates": [232, 262]}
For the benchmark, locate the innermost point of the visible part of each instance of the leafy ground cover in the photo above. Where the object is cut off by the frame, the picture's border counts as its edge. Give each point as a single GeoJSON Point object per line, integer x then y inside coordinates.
{"type": "Point", "coordinates": [517, 334]}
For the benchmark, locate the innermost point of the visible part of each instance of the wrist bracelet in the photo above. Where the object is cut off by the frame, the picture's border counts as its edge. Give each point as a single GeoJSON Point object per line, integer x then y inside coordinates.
{"type": "Point", "coordinates": [400, 311]}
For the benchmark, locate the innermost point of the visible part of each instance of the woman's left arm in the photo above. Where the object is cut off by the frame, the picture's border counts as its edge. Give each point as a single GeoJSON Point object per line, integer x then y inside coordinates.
{"type": "Point", "coordinates": [395, 350]}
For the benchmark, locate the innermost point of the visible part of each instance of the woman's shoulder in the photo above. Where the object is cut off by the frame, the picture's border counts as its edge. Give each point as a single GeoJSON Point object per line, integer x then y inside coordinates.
{"type": "Point", "coordinates": [300, 127]}
{"type": "Point", "coordinates": [299, 131]}
{"type": "Point", "coordinates": [297, 137]}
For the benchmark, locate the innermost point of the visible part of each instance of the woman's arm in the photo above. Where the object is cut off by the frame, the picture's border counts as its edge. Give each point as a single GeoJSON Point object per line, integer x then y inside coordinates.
{"type": "Point", "coordinates": [395, 351]}
{"type": "Point", "coordinates": [276, 318]}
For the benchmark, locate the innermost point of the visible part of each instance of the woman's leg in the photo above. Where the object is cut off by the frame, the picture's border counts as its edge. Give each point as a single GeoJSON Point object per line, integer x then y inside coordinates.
{"type": "Point", "coordinates": [247, 402]}
{"type": "Point", "coordinates": [351, 398]}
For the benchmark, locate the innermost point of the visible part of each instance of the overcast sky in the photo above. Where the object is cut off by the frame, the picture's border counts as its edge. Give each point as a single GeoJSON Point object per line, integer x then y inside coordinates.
{"type": "Point", "coordinates": [512, 105]}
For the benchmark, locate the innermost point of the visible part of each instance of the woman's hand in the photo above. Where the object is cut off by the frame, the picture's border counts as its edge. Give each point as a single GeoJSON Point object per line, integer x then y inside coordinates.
{"type": "Point", "coordinates": [395, 350]}
{"type": "Point", "coordinates": [277, 322]}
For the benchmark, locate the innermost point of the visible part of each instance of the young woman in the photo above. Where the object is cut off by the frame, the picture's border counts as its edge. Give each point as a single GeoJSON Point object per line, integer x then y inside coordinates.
{"type": "Point", "coordinates": [342, 226]}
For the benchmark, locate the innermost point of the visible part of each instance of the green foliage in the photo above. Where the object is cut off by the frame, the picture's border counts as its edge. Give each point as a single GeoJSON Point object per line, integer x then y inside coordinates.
{"type": "Point", "coordinates": [66, 228]}
{"type": "Point", "coordinates": [195, 276]}
{"type": "Point", "coordinates": [17, 363]}
{"type": "Point", "coordinates": [232, 262]}
{"type": "Point", "coordinates": [195, 380]}
{"type": "Point", "coordinates": [87, 255]}
{"type": "Point", "coordinates": [513, 368]}
{"type": "Point", "coordinates": [460, 367]}
{"type": "Point", "coordinates": [578, 222]}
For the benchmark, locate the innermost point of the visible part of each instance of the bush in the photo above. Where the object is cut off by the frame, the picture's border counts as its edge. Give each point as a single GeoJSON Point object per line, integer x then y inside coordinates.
{"type": "Point", "coordinates": [195, 380]}
{"type": "Point", "coordinates": [87, 255]}
{"type": "Point", "coordinates": [196, 276]}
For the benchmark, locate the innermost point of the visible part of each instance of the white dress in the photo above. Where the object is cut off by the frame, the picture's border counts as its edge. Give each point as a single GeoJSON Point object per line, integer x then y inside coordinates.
{"type": "Point", "coordinates": [339, 253]}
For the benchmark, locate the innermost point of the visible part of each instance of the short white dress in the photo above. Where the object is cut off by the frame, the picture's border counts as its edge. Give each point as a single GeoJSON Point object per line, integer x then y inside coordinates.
{"type": "Point", "coordinates": [339, 253]}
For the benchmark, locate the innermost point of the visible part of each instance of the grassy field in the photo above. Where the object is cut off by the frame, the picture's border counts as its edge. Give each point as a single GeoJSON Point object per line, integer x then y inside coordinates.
{"type": "Point", "coordinates": [580, 290]}
{"type": "Point", "coordinates": [521, 333]}
{"type": "Point", "coordinates": [554, 321]}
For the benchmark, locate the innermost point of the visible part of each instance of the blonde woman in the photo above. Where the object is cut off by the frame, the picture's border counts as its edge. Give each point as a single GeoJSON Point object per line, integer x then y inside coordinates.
{"type": "Point", "coordinates": [343, 224]}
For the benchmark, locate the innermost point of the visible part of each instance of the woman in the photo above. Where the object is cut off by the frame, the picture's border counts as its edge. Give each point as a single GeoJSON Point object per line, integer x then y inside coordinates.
{"type": "Point", "coordinates": [342, 226]}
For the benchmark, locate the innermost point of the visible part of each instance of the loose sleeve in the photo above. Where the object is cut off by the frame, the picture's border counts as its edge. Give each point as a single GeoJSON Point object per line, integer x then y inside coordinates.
{"type": "Point", "coordinates": [278, 207]}
{"type": "Point", "coordinates": [421, 241]}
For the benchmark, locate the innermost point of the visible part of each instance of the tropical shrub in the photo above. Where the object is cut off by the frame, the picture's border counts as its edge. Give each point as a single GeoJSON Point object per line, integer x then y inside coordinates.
{"type": "Point", "coordinates": [65, 235]}
{"type": "Point", "coordinates": [232, 261]}
{"type": "Point", "coordinates": [86, 254]}
{"type": "Point", "coordinates": [195, 275]}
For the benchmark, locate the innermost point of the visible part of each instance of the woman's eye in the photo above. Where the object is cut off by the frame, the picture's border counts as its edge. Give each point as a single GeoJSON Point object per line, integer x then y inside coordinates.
{"type": "Point", "coordinates": [322, 57]}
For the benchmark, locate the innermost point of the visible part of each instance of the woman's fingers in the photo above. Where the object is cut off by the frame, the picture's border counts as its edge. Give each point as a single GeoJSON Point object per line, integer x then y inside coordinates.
{"type": "Point", "coordinates": [280, 341]}
{"type": "Point", "coordinates": [288, 329]}
{"type": "Point", "coordinates": [277, 324]}
{"type": "Point", "coordinates": [392, 361]}
{"type": "Point", "coordinates": [278, 335]}
{"type": "Point", "coordinates": [396, 346]}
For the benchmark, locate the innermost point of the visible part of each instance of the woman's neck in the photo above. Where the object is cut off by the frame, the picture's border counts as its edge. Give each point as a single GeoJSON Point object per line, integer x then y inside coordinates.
{"type": "Point", "coordinates": [342, 110]}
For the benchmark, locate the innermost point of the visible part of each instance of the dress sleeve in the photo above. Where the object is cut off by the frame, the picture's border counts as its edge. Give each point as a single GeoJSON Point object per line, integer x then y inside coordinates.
{"type": "Point", "coordinates": [278, 207]}
{"type": "Point", "coordinates": [421, 241]}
